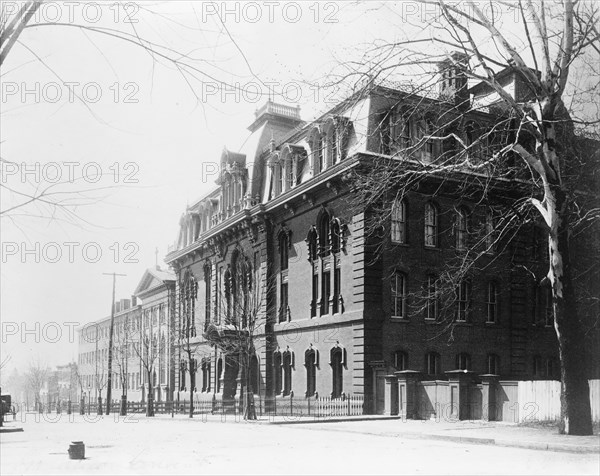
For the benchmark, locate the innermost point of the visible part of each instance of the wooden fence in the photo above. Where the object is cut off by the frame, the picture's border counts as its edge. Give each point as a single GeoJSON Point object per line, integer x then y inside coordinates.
{"type": "Point", "coordinates": [539, 400]}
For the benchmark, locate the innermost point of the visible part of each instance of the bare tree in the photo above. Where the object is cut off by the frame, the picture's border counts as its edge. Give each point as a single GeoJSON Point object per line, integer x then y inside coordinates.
{"type": "Point", "coordinates": [81, 384]}
{"type": "Point", "coordinates": [100, 378]}
{"type": "Point", "coordinates": [145, 341]}
{"type": "Point", "coordinates": [527, 156]}
{"type": "Point", "coordinates": [63, 200]}
{"type": "Point", "coordinates": [238, 324]}
{"type": "Point", "coordinates": [124, 349]}
{"type": "Point", "coordinates": [36, 377]}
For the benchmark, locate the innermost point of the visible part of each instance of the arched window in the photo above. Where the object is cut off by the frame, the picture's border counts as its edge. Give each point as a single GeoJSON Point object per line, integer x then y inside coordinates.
{"type": "Point", "coordinates": [336, 244]}
{"type": "Point", "coordinates": [228, 282]}
{"type": "Point", "coordinates": [288, 365]}
{"type": "Point", "coordinates": [188, 295]}
{"type": "Point", "coordinates": [219, 374]}
{"type": "Point", "coordinates": [337, 370]}
{"type": "Point", "coordinates": [431, 311]}
{"type": "Point", "coordinates": [311, 241]}
{"type": "Point", "coordinates": [431, 225]}
{"type": "Point", "coordinates": [206, 387]}
{"type": "Point", "coordinates": [318, 143]}
{"type": "Point", "coordinates": [323, 159]}
{"type": "Point", "coordinates": [400, 359]}
{"type": "Point", "coordinates": [463, 361]}
{"type": "Point", "coordinates": [311, 362]}
{"type": "Point", "coordinates": [277, 370]}
{"type": "Point", "coordinates": [492, 302]}
{"type": "Point", "coordinates": [279, 179]}
{"type": "Point", "coordinates": [462, 229]}
{"type": "Point", "coordinates": [398, 288]}
{"type": "Point", "coordinates": [399, 221]}
{"type": "Point", "coordinates": [493, 364]}
{"type": "Point", "coordinates": [207, 293]}
{"type": "Point", "coordinates": [334, 145]}
{"type": "Point", "coordinates": [324, 224]}
{"type": "Point", "coordinates": [336, 236]}
{"type": "Point", "coordinates": [284, 249]}
{"type": "Point", "coordinates": [432, 363]}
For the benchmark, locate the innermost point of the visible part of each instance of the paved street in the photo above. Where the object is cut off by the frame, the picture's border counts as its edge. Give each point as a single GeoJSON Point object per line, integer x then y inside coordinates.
{"type": "Point", "coordinates": [183, 446]}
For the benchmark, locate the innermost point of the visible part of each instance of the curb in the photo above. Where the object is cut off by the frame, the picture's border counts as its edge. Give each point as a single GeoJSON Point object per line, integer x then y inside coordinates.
{"type": "Point", "coordinates": [535, 445]}
{"type": "Point", "coordinates": [331, 420]}
{"type": "Point", "coordinates": [531, 445]}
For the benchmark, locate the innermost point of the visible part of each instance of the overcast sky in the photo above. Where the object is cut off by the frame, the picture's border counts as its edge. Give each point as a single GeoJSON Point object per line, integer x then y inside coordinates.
{"type": "Point", "coordinates": [160, 130]}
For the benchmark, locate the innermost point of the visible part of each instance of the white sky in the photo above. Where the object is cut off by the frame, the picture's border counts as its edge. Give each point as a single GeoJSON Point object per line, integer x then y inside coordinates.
{"type": "Point", "coordinates": [168, 134]}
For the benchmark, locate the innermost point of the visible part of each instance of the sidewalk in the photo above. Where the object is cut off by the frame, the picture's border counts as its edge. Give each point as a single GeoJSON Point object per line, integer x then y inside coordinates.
{"type": "Point", "coordinates": [474, 432]}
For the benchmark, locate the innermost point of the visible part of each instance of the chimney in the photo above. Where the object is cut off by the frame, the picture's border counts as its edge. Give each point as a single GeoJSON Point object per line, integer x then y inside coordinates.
{"type": "Point", "coordinates": [125, 304]}
{"type": "Point", "coordinates": [117, 307]}
{"type": "Point", "coordinates": [133, 301]}
{"type": "Point", "coordinates": [453, 79]}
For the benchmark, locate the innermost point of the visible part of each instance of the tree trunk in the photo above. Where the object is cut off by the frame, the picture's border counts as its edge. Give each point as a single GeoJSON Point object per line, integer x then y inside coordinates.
{"type": "Point", "coordinates": [123, 411]}
{"type": "Point", "coordinates": [150, 399]}
{"type": "Point", "coordinates": [576, 417]}
{"type": "Point", "coordinates": [191, 399]}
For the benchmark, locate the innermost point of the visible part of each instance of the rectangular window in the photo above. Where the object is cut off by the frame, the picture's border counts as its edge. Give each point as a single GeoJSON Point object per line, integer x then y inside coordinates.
{"type": "Point", "coordinates": [462, 301]}
{"type": "Point", "coordinates": [492, 302]}
{"type": "Point", "coordinates": [461, 230]}
{"type": "Point", "coordinates": [432, 301]}
{"type": "Point", "coordinates": [431, 225]}
{"type": "Point", "coordinates": [433, 363]}
{"type": "Point", "coordinates": [463, 361]}
{"type": "Point", "coordinates": [398, 295]}
{"type": "Point", "coordinates": [399, 222]}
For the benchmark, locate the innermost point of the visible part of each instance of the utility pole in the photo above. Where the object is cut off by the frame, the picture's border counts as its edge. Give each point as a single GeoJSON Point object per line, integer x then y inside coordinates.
{"type": "Point", "coordinates": [110, 341]}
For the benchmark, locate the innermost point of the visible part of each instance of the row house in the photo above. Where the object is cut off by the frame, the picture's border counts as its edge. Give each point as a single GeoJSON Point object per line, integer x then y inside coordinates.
{"type": "Point", "coordinates": [142, 345]}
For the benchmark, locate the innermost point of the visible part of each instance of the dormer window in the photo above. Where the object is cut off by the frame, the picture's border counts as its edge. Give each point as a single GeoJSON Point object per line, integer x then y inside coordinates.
{"type": "Point", "coordinates": [396, 131]}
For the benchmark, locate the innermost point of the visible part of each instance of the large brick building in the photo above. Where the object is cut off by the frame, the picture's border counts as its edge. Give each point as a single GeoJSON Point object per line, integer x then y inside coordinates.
{"type": "Point", "coordinates": [342, 308]}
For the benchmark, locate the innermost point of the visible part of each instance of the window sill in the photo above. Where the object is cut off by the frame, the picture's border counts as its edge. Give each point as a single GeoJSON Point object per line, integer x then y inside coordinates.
{"type": "Point", "coordinates": [399, 319]}
{"type": "Point", "coordinates": [402, 244]}
{"type": "Point", "coordinates": [463, 323]}
{"type": "Point", "coordinates": [432, 248]}
{"type": "Point", "coordinates": [431, 321]}
{"type": "Point", "coordinates": [491, 323]}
